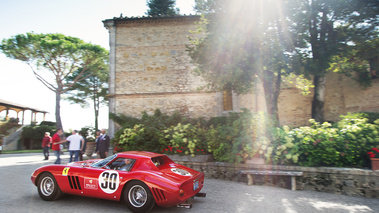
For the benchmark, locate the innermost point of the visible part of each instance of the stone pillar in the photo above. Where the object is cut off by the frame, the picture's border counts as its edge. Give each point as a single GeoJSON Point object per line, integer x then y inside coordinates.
{"type": "Point", "coordinates": [110, 25]}
{"type": "Point", "coordinates": [23, 116]}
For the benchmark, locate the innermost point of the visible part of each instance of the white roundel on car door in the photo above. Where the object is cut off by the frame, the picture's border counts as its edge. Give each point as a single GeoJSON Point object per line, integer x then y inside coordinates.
{"type": "Point", "coordinates": [109, 181]}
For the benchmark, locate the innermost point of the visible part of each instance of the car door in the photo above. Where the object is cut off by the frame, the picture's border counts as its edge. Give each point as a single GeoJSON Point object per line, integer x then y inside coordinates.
{"type": "Point", "coordinates": [102, 183]}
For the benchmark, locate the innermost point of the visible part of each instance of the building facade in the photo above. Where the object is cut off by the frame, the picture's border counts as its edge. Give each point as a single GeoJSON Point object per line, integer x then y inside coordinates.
{"type": "Point", "coordinates": [150, 69]}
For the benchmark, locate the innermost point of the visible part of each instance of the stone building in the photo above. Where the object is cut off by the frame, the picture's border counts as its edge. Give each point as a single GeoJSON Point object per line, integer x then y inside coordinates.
{"type": "Point", "coordinates": [150, 69]}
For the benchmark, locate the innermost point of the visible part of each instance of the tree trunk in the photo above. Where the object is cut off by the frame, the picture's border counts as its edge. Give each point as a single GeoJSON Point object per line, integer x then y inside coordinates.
{"type": "Point", "coordinates": [318, 98]}
{"type": "Point", "coordinates": [58, 110]}
{"type": "Point", "coordinates": [322, 43]}
{"type": "Point", "coordinates": [96, 107]}
{"type": "Point", "coordinates": [271, 86]}
{"type": "Point", "coordinates": [96, 103]}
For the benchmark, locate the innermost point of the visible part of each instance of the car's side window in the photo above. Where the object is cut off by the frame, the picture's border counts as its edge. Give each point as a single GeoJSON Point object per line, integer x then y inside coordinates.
{"type": "Point", "coordinates": [122, 164]}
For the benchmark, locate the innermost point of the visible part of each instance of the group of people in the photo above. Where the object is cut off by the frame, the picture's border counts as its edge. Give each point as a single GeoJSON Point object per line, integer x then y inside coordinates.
{"type": "Point", "coordinates": [77, 145]}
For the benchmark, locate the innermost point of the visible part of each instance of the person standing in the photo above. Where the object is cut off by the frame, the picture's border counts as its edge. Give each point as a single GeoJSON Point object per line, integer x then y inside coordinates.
{"type": "Point", "coordinates": [76, 145]}
{"type": "Point", "coordinates": [56, 145]}
{"type": "Point", "coordinates": [84, 147]}
{"type": "Point", "coordinates": [46, 141]}
{"type": "Point", "coordinates": [102, 144]}
{"type": "Point", "coordinates": [98, 132]}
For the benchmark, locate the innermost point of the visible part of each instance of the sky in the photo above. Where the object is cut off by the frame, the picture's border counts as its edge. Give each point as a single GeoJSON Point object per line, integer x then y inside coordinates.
{"type": "Point", "coordinates": [77, 18]}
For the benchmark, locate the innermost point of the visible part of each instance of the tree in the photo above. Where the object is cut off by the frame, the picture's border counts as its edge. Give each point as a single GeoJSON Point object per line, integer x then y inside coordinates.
{"type": "Point", "coordinates": [161, 8]}
{"type": "Point", "coordinates": [240, 43]}
{"type": "Point", "coordinates": [330, 29]}
{"type": "Point", "coordinates": [361, 62]}
{"type": "Point", "coordinates": [53, 58]}
{"type": "Point", "coordinates": [92, 89]}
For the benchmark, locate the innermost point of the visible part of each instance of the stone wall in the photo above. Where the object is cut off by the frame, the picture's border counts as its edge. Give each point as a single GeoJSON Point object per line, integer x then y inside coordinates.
{"type": "Point", "coordinates": [345, 95]}
{"type": "Point", "coordinates": [153, 69]}
{"type": "Point", "coordinates": [189, 104]}
{"type": "Point", "coordinates": [346, 181]}
{"type": "Point", "coordinates": [150, 69]}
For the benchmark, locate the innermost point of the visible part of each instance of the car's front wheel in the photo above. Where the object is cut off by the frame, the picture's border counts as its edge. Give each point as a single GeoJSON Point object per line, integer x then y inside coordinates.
{"type": "Point", "coordinates": [138, 197]}
{"type": "Point", "coordinates": [48, 188]}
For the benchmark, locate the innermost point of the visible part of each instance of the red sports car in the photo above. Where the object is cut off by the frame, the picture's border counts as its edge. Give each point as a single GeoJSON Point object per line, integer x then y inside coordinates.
{"type": "Point", "coordinates": [140, 179]}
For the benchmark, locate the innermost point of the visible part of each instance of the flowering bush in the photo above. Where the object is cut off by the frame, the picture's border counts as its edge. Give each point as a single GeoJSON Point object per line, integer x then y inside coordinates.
{"type": "Point", "coordinates": [308, 146]}
{"type": "Point", "coordinates": [184, 139]}
{"type": "Point", "coordinates": [343, 144]}
{"type": "Point", "coordinates": [241, 136]}
{"type": "Point", "coordinates": [374, 153]}
{"type": "Point", "coordinates": [140, 137]}
{"type": "Point", "coordinates": [144, 133]}
{"type": "Point", "coordinates": [182, 150]}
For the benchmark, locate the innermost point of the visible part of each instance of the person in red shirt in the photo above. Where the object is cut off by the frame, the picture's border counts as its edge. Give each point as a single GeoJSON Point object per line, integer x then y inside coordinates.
{"type": "Point", "coordinates": [46, 141]}
{"type": "Point", "coordinates": [56, 145]}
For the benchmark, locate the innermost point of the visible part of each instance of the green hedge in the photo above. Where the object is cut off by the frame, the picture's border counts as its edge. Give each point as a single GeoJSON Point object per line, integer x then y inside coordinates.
{"type": "Point", "coordinates": [241, 136]}
{"type": "Point", "coordinates": [145, 133]}
{"type": "Point", "coordinates": [35, 133]}
{"type": "Point", "coordinates": [232, 138]}
{"type": "Point", "coordinates": [344, 144]}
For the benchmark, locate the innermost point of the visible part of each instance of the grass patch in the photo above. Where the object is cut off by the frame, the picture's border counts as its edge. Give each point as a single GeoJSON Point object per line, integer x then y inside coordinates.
{"type": "Point", "coordinates": [22, 151]}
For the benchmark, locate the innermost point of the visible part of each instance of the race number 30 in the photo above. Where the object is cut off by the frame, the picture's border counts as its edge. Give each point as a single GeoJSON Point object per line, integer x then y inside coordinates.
{"type": "Point", "coordinates": [109, 181]}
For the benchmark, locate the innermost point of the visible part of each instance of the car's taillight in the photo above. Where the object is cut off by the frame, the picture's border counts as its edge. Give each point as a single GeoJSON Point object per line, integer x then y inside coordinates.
{"type": "Point", "coordinates": [181, 192]}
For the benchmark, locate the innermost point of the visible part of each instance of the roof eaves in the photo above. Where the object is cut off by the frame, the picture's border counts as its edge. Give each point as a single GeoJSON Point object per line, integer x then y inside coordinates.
{"type": "Point", "coordinates": [19, 106]}
{"type": "Point", "coordinates": [133, 18]}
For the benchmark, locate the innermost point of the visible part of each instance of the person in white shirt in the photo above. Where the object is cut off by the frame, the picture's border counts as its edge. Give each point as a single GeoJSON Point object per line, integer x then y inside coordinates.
{"type": "Point", "coordinates": [76, 145]}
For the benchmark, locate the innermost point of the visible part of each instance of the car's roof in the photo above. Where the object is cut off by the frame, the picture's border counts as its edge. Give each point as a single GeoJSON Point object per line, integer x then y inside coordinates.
{"type": "Point", "coordinates": [138, 154]}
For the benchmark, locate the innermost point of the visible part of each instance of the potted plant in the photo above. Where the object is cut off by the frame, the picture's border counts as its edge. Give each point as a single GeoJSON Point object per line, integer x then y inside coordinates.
{"type": "Point", "coordinates": [374, 157]}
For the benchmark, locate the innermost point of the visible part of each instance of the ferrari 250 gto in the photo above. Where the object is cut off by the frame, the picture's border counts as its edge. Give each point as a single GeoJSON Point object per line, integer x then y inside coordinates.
{"type": "Point", "coordinates": [140, 179]}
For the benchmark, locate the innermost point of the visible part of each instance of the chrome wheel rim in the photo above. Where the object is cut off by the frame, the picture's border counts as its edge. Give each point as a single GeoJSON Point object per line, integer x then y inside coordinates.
{"type": "Point", "coordinates": [47, 186]}
{"type": "Point", "coordinates": [137, 196]}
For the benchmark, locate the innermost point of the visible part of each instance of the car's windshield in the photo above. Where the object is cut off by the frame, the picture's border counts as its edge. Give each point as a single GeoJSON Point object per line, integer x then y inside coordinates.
{"type": "Point", "coordinates": [103, 162]}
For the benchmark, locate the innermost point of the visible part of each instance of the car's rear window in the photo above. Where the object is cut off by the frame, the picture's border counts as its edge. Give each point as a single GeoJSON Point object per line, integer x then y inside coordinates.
{"type": "Point", "coordinates": [158, 161]}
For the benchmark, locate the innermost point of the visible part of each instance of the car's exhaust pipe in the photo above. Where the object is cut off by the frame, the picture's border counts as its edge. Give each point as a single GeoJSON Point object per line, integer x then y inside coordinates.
{"type": "Point", "coordinates": [201, 194]}
{"type": "Point", "coordinates": [188, 204]}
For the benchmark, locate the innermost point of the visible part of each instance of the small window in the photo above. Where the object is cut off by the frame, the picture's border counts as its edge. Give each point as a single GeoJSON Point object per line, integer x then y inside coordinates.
{"type": "Point", "coordinates": [227, 100]}
{"type": "Point", "coordinates": [374, 74]}
{"type": "Point", "coordinates": [374, 67]}
{"type": "Point", "coordinates": [158, 161]}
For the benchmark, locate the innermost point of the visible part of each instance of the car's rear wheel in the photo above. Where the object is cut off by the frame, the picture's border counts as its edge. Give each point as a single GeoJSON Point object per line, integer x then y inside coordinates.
{"type": "Point", "coordinates": [48, 188]}
{"type": "Point", "coordinates": [138, 197]}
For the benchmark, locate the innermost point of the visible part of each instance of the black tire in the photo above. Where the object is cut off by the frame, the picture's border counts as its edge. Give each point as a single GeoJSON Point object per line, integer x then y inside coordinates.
{"type": "Point", "coordinates": [138, 197]}
{"type": "Point", "coordinates": [48, 188]}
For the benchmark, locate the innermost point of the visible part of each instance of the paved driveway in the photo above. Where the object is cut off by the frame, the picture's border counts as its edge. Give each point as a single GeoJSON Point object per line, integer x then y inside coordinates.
{"type": "Point", "coordinates": [18, 194]}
